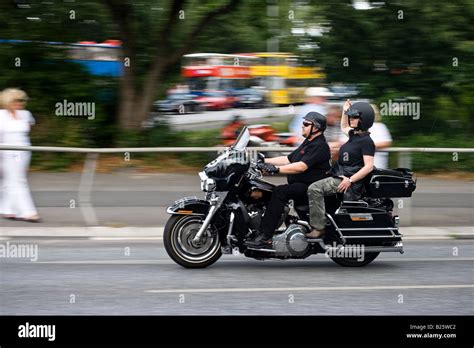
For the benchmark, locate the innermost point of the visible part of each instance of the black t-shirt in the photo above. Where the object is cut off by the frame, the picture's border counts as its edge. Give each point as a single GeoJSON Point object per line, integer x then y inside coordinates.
{"type": "Point", "coordinates": [359, 145]}
{"type": "Point", "coordinates": [316, 155]}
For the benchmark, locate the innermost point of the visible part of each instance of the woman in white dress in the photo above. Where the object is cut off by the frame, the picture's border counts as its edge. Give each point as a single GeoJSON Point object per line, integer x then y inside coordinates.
{"type": "Point", "coordinates": [15, 123]}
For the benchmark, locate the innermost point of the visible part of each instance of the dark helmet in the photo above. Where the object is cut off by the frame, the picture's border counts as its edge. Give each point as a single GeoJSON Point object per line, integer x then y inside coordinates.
{"type": "Point", "coordinates": [317, 119]}
{"type": "Point", "coordinates": [365, 112]}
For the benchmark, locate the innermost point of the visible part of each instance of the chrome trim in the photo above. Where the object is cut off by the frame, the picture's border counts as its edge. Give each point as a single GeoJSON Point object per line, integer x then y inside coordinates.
{"type": "Point", "coordinates": [322, 245]}
{"type": "Point", "coordinates": [266, 250]}
{"type": "Point", "coordinates": [203, 176]}
{"type": "Point", "coordinates": [369, 229]}
{"type": "Point", "coordinates": [371, 249]}
{"type": "Point", "coordinates": [391, 229]}
{"type": "Point", "coordinates": [231, 227]}
{"type": "Point", "coordinates": [337, 227]}
{"type": "Point", "coordinates": [400, 245]}
{"type": "Point", "coordinates": [396, 220]}
{"type": "Point", "coordinates": [387, 176]}
{"type": "Point", "coordinates": [365, 204]}
{"type": "Point", "coordinates": [205, 224]}
{"type": "Point", "coordinates": [216, 201]}
{"type": "Point", "coordinates": [384, 249]}
{"type": "Point", "coordinates": [305, 224]}
{"type": "Point", "coordinates": [379, 236]}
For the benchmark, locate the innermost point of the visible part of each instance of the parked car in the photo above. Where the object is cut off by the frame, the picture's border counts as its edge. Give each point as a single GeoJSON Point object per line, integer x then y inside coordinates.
{"type": "Point", "coordinates": [251, 98]}
{"type": "Point", "coordinates": [179, 103]}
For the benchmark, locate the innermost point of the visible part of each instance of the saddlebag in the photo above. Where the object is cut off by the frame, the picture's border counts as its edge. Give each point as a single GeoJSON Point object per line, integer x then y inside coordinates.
{"type": "Point", "coordinates": [358, 223]}
{"type": "Point", "coordinates": [390, 183]}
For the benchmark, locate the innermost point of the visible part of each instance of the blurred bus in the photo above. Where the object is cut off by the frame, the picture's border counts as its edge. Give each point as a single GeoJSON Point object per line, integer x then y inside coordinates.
{"type": "Point", "coordinates": [100, 59]}
{"type": "Point", "coordinates": [285, 76]}
{"type": "Point", "coordinates": [217, 72]}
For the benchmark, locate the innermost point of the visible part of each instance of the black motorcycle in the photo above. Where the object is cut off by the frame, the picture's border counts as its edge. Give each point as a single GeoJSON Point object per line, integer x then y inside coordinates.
{"type": "Point", "coordinates": [201, 230]}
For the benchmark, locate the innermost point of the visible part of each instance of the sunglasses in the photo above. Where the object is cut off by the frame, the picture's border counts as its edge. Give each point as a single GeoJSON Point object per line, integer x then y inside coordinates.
{"type": "Point", "coordinates": [307, 124]}
{"type": "Point", "coordinates": [20, 100]}
{"type": "Point", "coordinates": [354, 117]}
{"type": "Point", "coordinates": [353, 113]}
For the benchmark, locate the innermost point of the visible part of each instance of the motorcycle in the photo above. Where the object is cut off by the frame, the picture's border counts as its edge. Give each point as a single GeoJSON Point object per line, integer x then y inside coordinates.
{"type": "Point", "coordinates": [200, 231]}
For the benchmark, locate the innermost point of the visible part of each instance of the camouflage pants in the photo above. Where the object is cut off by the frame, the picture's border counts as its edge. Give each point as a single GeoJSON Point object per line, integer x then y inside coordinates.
{"type": "Point", "coordinates": [316, 192]}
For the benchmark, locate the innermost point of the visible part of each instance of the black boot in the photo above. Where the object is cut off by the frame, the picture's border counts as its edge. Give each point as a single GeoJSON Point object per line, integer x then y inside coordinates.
{"type": "Point", "coordinates": [260, 242]}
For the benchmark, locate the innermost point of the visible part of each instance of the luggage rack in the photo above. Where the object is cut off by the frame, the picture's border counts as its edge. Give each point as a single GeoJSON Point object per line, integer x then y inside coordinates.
{"type": "Point", "coordinates": [390, 229]}
{"type": "Point", "coordinates": [343, 236]}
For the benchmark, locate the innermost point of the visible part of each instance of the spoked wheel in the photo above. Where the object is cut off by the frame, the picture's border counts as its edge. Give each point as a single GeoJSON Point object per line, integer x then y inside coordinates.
{"type": "Point", "coordinates": [178, 240]}
{"type": "Point", "coordinates": [354, 262]}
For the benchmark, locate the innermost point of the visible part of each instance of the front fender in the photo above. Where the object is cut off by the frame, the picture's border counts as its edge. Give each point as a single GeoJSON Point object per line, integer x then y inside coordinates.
{"type": "Point", "coordinates": [189, 206]}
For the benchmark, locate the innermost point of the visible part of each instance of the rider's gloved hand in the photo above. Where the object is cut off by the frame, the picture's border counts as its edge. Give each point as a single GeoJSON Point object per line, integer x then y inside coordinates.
{"type": "Point", "coordinates": [269, 168]}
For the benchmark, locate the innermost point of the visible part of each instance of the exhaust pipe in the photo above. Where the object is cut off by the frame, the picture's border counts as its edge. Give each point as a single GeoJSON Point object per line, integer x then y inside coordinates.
{"type": "Point", "coordinates": [370, 249]}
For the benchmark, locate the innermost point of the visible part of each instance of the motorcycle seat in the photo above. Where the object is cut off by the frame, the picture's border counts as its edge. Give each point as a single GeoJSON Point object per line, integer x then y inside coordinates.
{"type": "Point", "coordinates": [302, 208]}
{"type": "Point", "coordinates": [332, 202]}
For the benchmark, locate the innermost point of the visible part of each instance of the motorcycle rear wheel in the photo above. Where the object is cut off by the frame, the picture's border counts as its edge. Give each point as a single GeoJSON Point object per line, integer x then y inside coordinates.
{"type": "Point", "coordinates": [354, 262]}
{"type": "Point", "coordinates": [178, 240]}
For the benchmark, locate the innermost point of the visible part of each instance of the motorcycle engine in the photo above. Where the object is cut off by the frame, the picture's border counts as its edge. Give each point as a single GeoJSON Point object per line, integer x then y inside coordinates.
{"type": "Point", "coordinates": [292, 242]}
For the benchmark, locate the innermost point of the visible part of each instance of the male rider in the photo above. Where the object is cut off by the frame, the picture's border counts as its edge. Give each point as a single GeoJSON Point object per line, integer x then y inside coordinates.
{"type": "Point", "coordinates": [310, 162]}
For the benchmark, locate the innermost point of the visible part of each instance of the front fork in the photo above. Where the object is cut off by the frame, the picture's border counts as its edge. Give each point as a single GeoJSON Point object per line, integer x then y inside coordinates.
{"type": "Point", "coordinates": [205, 225]}
{"type": "Point", "coordinates": [216, 201]}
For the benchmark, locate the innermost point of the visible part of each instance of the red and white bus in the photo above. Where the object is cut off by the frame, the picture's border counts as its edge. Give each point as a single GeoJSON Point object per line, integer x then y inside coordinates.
{"type": "Point", "coordinates": [217, 72]}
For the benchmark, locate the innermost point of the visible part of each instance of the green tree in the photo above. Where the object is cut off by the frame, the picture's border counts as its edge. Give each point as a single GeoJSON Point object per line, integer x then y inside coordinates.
{"type": "Point", "coordinates": [155, 35]}
{"type": "Point", "coordinates": [404, 49]}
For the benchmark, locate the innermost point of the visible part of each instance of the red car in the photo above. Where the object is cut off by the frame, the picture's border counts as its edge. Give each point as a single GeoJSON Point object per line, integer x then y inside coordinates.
{"type": "Point", "coordinates": [216, 100]}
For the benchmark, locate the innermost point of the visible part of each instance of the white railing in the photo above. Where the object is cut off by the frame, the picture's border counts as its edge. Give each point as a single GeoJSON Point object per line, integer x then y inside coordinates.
{"type": "Point", "coordinates": [209, 149]}
{"type": "Point", "coordinates": [92, 154]}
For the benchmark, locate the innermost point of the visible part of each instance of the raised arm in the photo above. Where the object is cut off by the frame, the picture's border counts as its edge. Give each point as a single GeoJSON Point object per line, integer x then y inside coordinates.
{"type": "Point", "coordinates": [345, 128]}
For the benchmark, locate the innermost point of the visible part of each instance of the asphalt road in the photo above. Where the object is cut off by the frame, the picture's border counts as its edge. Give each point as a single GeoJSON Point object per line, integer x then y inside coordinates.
{"type": "Point", "coordinates": [136, 277]}
{"type": "Point", "coordinates": [134, 199]}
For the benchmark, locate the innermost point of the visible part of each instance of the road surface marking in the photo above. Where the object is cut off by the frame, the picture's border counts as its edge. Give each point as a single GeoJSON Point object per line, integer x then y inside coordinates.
{"type": "Point", "coordinates": [233, 259]}
{"type": "Point", "coordinates": [317, 288]}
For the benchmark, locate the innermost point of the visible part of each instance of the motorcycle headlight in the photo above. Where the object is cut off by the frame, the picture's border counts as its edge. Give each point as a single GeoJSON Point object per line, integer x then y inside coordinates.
{"type": "Point", "coordinates": [207, 185]}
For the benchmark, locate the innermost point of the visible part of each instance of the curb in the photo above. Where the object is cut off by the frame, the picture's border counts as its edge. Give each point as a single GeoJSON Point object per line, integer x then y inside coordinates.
{"type": "Point", "coordinates": [83, 232]}
{"type": "Point", "coordinates": [102, 232]}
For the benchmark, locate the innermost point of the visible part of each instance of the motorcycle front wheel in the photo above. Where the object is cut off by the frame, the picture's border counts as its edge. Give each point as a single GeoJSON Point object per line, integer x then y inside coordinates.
{"type": "Point", "coordinates": [178, 240]}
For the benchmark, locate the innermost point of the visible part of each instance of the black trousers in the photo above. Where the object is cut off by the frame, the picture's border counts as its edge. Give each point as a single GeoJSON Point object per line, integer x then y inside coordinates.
{"type": "Point", "coordinates": [280, 196]}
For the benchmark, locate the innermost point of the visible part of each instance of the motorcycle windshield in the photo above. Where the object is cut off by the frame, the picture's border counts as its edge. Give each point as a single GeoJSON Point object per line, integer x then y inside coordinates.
{"type": "Point", "coordinates": [242, 140]}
